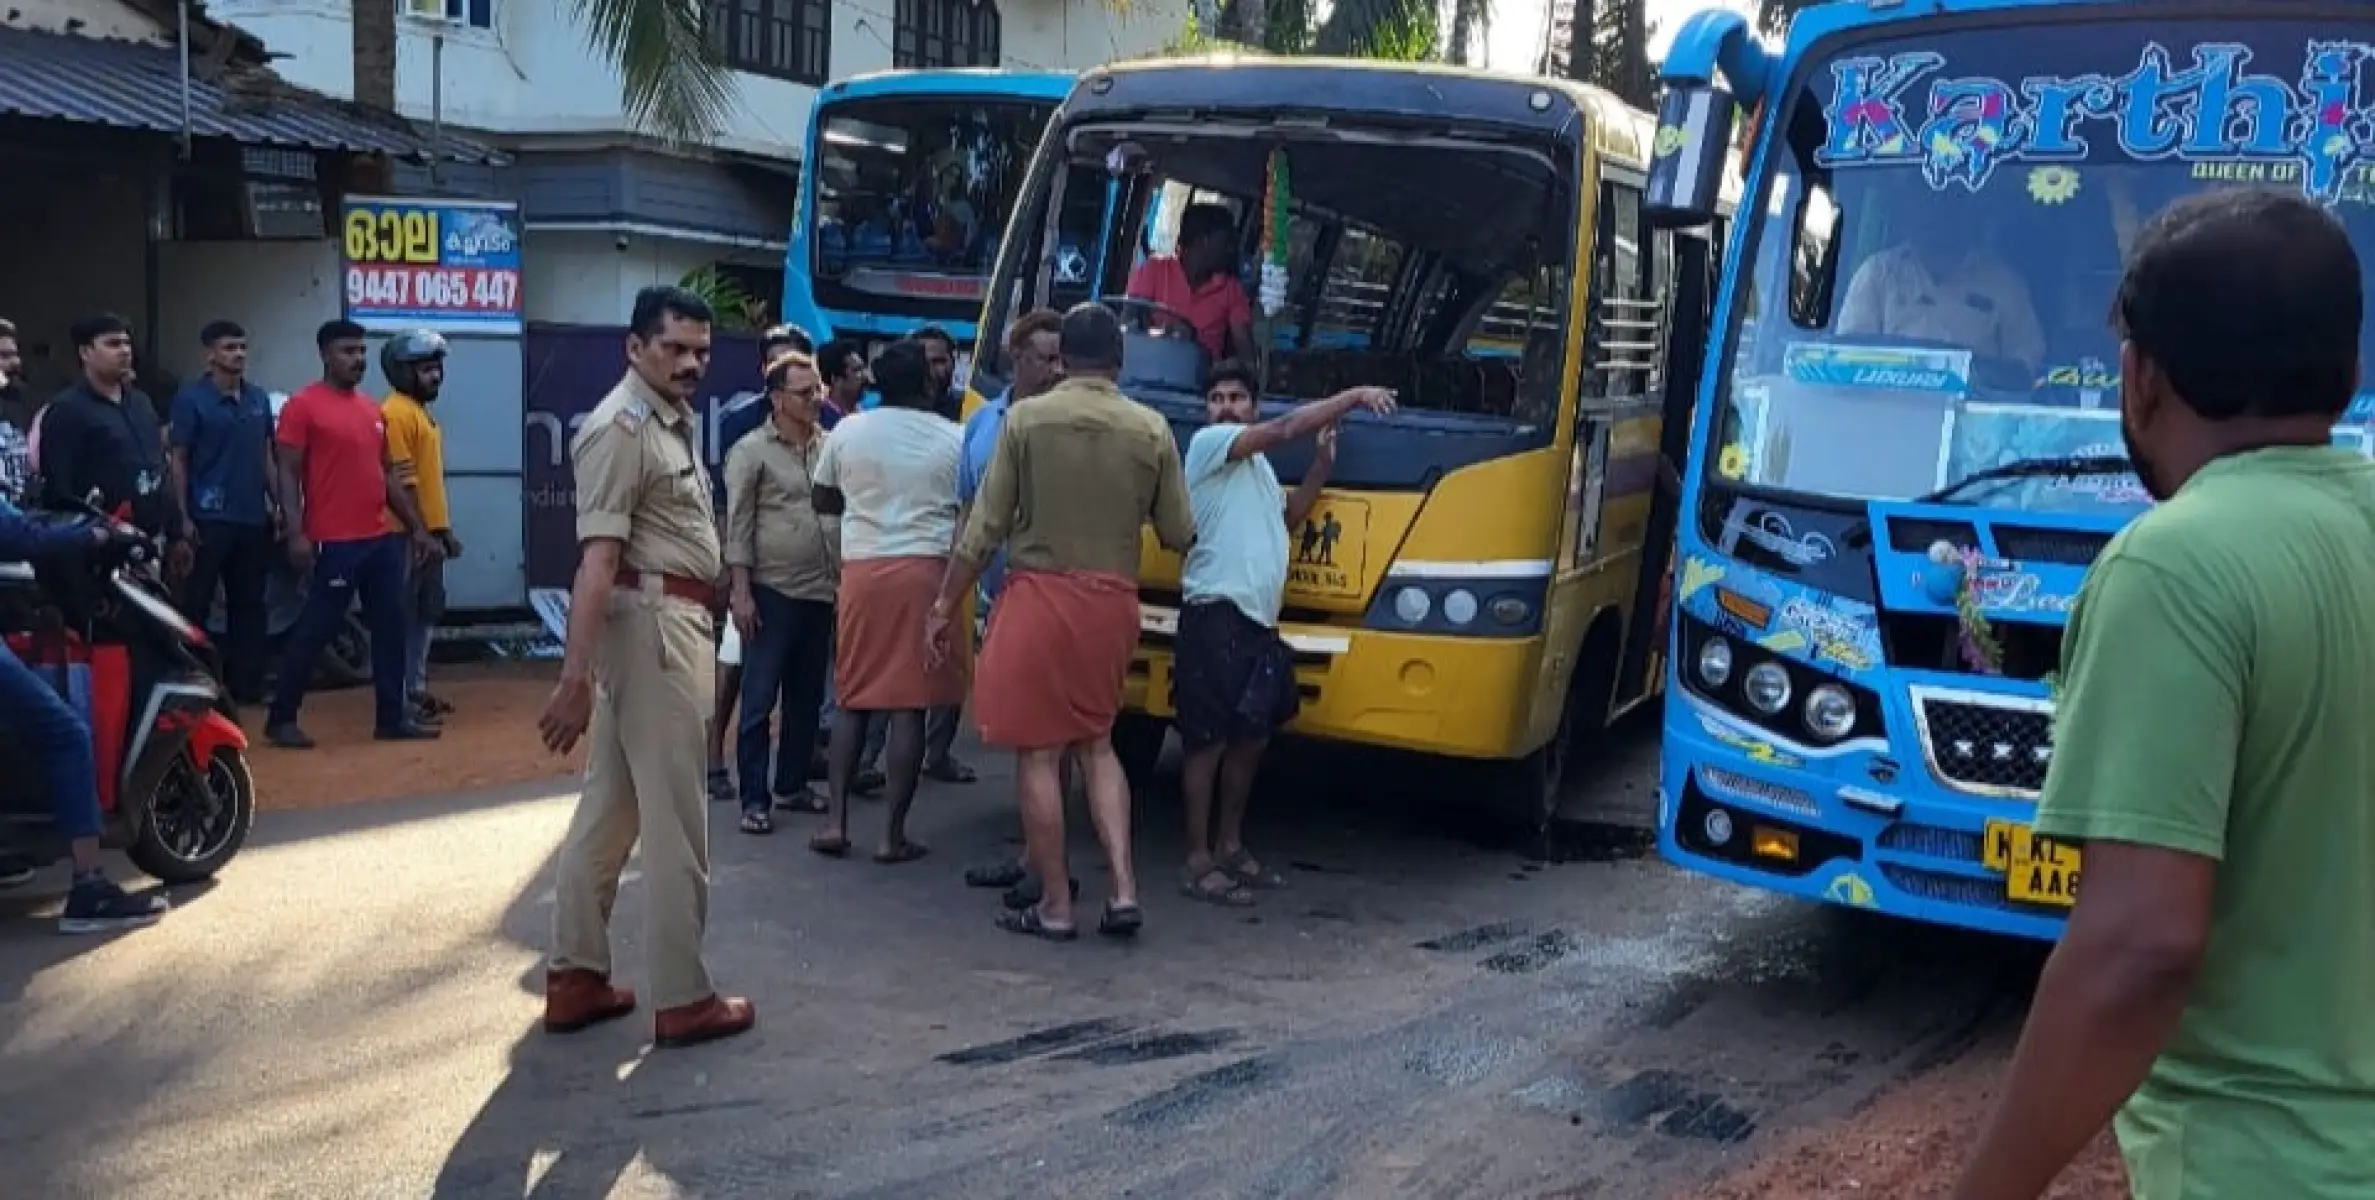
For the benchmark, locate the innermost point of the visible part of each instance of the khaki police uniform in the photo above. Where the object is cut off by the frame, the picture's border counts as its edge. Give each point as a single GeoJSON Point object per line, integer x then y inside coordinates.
{"type": "Point", "coordinates": [640, 480]}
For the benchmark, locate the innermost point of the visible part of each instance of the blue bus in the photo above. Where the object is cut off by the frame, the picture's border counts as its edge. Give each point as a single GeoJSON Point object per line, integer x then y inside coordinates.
{"type": "Point", "coordinates": [905, 188]}
{"type": "Point", "coordinates": [1907, 446]}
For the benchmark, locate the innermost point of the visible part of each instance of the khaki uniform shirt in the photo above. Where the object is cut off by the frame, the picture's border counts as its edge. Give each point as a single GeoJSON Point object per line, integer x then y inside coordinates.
{"type": "Point", "coordinates": [1076, 473]}
{"type": "Point", "coordinates": [640, 480]}
{"type": "Point", "coordinates": [1981, 305]}
{"type": "Point", "coordinates": [772, 526]}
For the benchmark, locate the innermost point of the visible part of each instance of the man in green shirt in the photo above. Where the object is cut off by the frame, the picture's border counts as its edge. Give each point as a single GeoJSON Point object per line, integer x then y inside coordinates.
{"type": "Point", "coordinates": [2215, 746]}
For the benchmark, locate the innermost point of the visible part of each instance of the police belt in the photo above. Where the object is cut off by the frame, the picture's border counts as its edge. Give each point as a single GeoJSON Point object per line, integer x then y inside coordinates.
{"type": "Point", "coordinates": [682, 587]}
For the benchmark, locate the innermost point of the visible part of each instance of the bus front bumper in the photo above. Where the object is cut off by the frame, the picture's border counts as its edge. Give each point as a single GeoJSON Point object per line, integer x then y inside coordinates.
{"type": "Point", "coordinates": [1459, 697]}
{"type": "Point", "coordinates": [1744, 810]}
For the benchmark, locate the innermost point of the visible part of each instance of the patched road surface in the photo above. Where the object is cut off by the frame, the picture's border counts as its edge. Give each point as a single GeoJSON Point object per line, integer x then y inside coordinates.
{"type": "Point", "coordinates": [350, 1014]}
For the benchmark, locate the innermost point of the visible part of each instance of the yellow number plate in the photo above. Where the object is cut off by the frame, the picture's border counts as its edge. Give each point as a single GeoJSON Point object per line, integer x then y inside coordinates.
{"type": "Point", "coordinates": [2036, 869]}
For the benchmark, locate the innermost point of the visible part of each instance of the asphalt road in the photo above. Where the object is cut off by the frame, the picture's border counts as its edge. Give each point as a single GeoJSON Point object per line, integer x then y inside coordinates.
{"type": "Point", "coordinates": [350, 1013]}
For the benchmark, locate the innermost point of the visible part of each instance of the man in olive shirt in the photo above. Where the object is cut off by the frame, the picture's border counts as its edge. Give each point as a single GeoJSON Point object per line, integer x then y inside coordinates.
{"type": "Point", "coordinates": [785, 559]}
{"type": "Point", "coordinates": [2212, 747]}
{"type": "Point", "coordinates": [1076, 474]}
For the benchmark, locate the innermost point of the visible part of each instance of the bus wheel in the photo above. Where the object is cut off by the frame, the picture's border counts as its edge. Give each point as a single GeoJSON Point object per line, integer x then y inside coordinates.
{"type": "Point", "coordinates": [1525, 792]}
{"type": "Point", "coordinates": [1138, 743]}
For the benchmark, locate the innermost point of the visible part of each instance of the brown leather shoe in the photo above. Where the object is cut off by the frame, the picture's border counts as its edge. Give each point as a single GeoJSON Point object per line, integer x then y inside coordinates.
{"type": "Point", "coordinates": [703, 1021]}
{"type": "Point", "coordinates": [575, 998]}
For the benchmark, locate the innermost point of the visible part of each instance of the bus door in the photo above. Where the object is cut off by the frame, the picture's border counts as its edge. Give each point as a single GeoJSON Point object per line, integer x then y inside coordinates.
{"type": "Point", "coordinates": [1683, 266]}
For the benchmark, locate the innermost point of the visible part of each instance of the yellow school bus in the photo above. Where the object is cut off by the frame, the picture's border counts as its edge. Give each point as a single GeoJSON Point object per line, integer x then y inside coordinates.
{"type": "Point", "coordinates": [1482, 577]}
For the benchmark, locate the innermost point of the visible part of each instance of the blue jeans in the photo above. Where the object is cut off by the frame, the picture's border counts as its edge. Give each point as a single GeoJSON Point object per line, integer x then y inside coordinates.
{"type": "Point", "coordinates": [371, 570]}
{"type": "Point", "coordinates": [787, 661]}
{"type": "Point", "coordinates": [50, 728]}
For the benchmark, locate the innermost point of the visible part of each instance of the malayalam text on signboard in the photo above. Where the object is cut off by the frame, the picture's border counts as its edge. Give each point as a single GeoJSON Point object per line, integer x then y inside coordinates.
{"type": "Point", "coordinates": [449, 265]}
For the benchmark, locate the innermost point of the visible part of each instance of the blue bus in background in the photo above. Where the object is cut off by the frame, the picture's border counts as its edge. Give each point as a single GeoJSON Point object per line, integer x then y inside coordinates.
{"type": "Point", "coordinates": [905, 187]}
{"type": "Point", "coordinates": [1895, 486]}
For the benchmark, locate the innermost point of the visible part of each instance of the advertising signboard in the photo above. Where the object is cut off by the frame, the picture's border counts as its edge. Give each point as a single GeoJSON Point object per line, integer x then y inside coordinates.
{"type": "Point", "coordinates": [448, 265]}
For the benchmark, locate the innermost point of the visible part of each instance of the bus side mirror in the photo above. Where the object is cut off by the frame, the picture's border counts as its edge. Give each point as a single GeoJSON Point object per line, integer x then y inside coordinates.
{"type": "Point", "coordinates": [1686, 166]}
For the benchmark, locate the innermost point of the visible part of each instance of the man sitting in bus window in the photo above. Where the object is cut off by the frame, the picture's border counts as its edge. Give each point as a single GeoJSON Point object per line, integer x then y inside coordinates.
{"type": "Point", "coordinates": [1235, 680]}
{"type": "Point", "coordinates": [1200, 282]}
{"type": "Point", "coordinates": [1945, 285]}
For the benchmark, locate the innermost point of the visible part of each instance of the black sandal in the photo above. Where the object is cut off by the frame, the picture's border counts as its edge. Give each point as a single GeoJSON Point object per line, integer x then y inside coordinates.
{"type": "Point", "coordinates": [1002, 874]}
{"type": "Point", "coordinates": [1029, 923]}
{"type": "Point", "coordinates": [757, 823]}
{"type": "Point", "coordinates": [1120, 920]}
{"type": "Point", "coordinates": [803, 801]}
{"type": "Point", "coordinates": [1028, 893]}
{"type": "Point", "coordinates": [1227, 892]}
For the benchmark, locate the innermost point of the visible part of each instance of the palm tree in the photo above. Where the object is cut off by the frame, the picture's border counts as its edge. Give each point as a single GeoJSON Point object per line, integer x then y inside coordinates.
{"type": "Point", "coordinates": [1406, 30]}
{"type": "Point", "coordinates": [672, 82]}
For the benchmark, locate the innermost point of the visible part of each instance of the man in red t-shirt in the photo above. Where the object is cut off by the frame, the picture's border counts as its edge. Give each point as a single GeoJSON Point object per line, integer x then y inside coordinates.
{"type": "Point", "coordinates": [1200, 283]}
{"type": "Point", "coordinates": [333, 452]}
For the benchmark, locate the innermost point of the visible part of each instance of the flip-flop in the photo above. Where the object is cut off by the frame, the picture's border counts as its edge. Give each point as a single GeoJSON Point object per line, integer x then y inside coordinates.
{"type": "Point", "coordinates": [950, 771]}
{"type": "Point", "coordinates": [757, 823]}
{"type": "Point", "coordinates": [1230, 894]}
{"type": "Point", "coordinates": [721, 787]}
{"type": "Point", "coordinates": [1029, 923]}
{"type": "Point", "coordinates": [829, 845]}
{"type": "Point", "coordinates": [1003, 874]}
{"type": "Point", "coordinates": [1120, 920]}
{"type": "Point", "coordinates": [868, 784]}
{"type": "Point", "coordinates": [803, 801]}
{"type": "Point", "coordinates": [1234, 866]}
{"type": "Point", "coordinates": [1027, 894]}
{"type": "Point", "coordinates": [904, 852]}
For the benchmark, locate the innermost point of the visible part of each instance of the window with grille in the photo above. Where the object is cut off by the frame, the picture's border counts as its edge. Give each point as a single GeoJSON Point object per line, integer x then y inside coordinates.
{"type": "Point", "coordinates": [945, 33]}
{"type": "Point", "coordinates": [781, 39]}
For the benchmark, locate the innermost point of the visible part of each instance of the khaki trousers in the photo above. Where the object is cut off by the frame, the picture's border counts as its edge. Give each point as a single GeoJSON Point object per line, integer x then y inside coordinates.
{"type": "Point", "coordinates": [644, 778]}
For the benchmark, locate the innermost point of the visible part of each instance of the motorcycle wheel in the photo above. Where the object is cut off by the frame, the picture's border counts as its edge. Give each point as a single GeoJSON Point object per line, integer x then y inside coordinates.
{"type": "Point", "coordinates": [198, 819]}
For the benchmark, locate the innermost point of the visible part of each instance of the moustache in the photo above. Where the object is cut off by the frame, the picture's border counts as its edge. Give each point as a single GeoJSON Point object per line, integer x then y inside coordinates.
{"type": "Point", "coordinates": [686, 377]}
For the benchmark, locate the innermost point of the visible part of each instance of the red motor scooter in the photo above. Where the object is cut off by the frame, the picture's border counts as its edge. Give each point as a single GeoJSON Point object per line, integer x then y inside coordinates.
{"type": "Point", "coordinates": [174, 789]}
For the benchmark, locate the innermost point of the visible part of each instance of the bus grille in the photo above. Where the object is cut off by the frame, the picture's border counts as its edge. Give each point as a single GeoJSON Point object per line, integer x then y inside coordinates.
{"type": "Point", "coordinates": [1992, 746]}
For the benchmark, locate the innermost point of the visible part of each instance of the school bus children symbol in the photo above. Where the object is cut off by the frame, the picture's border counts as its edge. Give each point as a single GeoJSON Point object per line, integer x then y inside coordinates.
{"type": "Point", "coordinates": [1329, 549]}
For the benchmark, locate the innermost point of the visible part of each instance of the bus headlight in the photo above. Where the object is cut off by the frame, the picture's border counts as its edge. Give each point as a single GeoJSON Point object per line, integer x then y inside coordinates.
{"type": "Point", "coordinates": [1715, 662]}
{"type": "Point", "coordinates": [1411, 605]}
{"type": "Point", "coordinates": [1459, 607]}
{"type": "Point", "coordinates": [1830, 712]}
{"type": "Point", "coordinates": [1767, 688]}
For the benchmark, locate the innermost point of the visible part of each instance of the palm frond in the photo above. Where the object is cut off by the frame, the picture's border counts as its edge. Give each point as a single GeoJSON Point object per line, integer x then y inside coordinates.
{"type": "Point", "coordinates": [673, 84]}
{"type": "Point", "coordinates": [1403, 30]}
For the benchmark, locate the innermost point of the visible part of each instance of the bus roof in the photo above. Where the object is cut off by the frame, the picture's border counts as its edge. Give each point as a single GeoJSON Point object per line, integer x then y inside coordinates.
{"type": "Point", "coordinates": [1051, 86]}
{"type": "Point", "coordinates": [1258, 83]}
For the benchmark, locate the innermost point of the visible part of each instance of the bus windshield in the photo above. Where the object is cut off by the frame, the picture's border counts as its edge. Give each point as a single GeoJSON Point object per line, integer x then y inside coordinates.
{"type": "Point", "coordinates": [1943, 233]}
{"type": "Point", "coordinates": [912, 194]}
{"type": "Point", "coordinates": [1448, 283]}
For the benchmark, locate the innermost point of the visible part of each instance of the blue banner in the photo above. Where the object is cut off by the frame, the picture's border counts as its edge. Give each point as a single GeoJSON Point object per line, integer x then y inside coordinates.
{"type": "Point", "coordinates": [448, 265]}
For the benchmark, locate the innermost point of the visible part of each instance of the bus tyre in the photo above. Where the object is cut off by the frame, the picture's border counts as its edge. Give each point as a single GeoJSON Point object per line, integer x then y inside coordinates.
{"type": "Point", "coordinates": [1138, 743]}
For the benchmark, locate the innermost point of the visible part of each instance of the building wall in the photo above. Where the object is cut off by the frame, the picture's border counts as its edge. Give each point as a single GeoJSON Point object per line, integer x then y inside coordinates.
{"type": "Point", "coordinates": [572, 278]}
{"type": "Point", "coordinates": [533, 73]}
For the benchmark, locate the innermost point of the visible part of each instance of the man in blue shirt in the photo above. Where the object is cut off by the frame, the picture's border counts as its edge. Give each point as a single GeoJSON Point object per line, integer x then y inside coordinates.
{"type": "Point", "coordinates": [1037, 365]}
{"type": "Point", "coordinates": [221, 446]}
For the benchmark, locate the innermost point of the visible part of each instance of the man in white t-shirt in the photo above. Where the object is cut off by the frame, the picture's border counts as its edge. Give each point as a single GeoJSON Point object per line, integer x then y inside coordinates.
{"type": "Point", "coordinates": [890, 474]}
{"type": "Point", "coordinates": [1233, 682]}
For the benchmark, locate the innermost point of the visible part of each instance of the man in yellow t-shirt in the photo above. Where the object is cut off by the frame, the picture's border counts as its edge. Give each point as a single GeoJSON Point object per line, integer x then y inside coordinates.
{"type": "Point", "coordinates": [414, 364]}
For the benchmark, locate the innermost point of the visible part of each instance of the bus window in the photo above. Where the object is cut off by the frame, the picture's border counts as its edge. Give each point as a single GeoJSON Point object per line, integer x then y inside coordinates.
{"type": "Point", "coordinates": [1359, 279]}
{"type": "Point", "coordinates": [1623, 335]}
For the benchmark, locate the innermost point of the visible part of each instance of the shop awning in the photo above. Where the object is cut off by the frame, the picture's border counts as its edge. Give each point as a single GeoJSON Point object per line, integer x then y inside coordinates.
{"type": "Point", "coordinates": [132, 85]}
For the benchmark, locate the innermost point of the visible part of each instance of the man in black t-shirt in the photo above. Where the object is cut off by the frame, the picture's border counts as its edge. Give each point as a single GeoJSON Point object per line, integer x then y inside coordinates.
{"type": "Point", "coordinates": [100, 437]}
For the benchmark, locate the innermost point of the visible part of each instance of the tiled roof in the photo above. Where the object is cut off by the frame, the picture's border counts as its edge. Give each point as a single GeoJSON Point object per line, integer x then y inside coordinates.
{"type": "Point", "coordinates": [132, 85]}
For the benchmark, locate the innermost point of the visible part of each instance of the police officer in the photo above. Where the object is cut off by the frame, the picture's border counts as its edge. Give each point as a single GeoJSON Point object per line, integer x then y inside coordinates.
{"type": "Point", "coordinates": [639, 667]}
